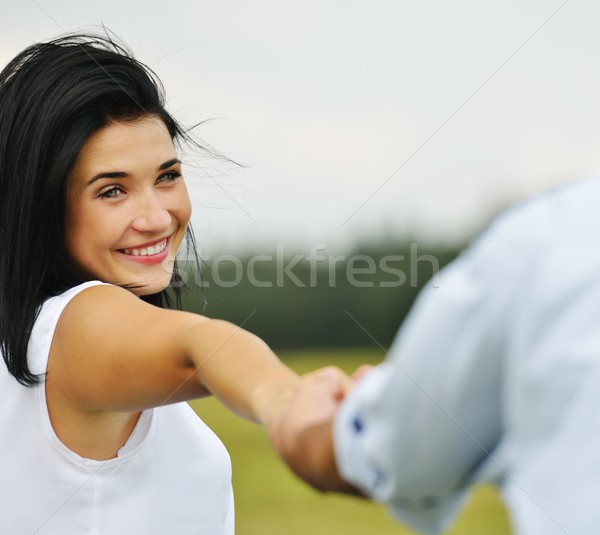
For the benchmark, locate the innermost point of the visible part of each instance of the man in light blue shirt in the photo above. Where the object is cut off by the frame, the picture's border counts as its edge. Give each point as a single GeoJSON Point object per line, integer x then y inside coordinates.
{"type": "Point", "coordinates": [494, 376]}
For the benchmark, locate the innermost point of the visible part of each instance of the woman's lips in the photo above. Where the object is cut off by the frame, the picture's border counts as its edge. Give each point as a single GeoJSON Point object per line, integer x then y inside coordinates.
{"type": "Point", "coordinates": [149, 254]}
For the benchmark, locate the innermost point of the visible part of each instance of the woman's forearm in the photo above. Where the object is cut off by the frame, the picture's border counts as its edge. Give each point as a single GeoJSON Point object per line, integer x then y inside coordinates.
{"type": "Point", "coordinates": [239, 369]}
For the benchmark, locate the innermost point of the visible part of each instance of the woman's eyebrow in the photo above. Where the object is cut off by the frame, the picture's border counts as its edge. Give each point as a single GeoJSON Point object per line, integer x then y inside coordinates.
{"type": "Point", "coordinates": [112, 174]}
{"type": "Point", "coordinates": [168, 164]}
{"type": "Point", "coordinates": [123, 174]}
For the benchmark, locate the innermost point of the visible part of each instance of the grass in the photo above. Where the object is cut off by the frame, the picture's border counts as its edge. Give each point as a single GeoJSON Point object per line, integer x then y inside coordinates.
{"type": "Point", "coordinates": [271, 501]}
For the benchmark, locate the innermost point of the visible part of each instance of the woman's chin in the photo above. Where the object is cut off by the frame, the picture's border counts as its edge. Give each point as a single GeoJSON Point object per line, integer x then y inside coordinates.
{"type": "Point", "coordinates": [149, 289]}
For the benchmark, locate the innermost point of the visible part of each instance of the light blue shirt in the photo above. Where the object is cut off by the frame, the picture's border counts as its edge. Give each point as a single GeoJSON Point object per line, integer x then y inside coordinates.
{"type": "Point", "coordinates": [494, 376]}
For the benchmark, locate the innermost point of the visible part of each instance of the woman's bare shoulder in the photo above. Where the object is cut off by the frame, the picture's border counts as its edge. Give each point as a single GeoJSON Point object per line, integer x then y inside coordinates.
{"type": "Point", "coordinates": [113, 351]}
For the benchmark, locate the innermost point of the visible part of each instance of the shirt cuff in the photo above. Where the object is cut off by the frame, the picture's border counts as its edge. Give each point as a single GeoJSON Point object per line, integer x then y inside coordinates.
{"type": "Point", "coordinates": [353, 436]}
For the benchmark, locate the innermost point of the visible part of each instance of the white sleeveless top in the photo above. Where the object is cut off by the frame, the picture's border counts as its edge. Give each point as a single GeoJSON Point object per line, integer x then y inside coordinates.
{"type": "Point", "coordinates": [173, 476]}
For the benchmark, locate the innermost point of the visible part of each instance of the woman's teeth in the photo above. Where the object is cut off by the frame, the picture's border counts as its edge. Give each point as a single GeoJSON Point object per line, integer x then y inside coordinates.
{"type": "Point", "coordinates": [148, 251]}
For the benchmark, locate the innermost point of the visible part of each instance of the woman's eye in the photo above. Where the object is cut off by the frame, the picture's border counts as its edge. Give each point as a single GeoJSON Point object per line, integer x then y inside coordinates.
{"type": "Point", "coordinates": [170, 176]}
{"type": "Point", "coordinates": [111, 193]}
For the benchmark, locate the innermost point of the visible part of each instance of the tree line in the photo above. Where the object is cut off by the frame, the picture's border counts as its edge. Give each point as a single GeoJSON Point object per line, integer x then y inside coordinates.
{"type": "Point", "coordinates": [317, 299]}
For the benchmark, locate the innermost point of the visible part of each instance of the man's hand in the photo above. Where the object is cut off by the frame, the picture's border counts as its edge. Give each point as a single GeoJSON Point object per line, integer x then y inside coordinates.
{"type": "Point", "coordinates": [302, 432]}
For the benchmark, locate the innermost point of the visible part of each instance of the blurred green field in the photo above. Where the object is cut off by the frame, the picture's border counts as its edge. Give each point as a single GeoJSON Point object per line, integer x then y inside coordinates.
{"type": "Point", "coordinates": [271, 501]}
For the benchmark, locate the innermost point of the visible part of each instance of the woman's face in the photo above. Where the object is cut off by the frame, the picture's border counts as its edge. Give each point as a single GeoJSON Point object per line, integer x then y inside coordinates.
{"type": "Point", "coordinates": [127, 206]}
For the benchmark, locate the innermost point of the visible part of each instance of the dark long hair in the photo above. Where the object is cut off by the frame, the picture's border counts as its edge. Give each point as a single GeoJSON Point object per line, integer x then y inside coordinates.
{"type": "Point", "coordinates": [53, 97]}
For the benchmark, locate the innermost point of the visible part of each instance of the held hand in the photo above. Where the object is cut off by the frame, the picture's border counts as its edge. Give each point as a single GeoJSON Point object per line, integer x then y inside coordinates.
{"type": "Point", "coordinates": [302, 432]}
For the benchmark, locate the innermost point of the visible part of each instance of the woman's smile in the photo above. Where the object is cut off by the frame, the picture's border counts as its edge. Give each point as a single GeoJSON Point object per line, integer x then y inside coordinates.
{"type": "Point", "coordinates": [149, 253]}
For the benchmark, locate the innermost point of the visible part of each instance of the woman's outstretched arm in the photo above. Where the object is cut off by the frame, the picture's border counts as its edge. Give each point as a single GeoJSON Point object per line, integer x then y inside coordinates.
{"type": "Point", "coordinates": [113, 352]}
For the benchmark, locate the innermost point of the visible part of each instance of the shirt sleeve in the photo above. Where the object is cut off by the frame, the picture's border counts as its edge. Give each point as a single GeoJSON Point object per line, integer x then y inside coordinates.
{"type": "Point", "coordinates": [413, 433]}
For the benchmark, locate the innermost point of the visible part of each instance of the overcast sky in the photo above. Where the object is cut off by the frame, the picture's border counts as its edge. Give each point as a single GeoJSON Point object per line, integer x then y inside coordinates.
{"type": "Point", "coordinates": [359, 120]}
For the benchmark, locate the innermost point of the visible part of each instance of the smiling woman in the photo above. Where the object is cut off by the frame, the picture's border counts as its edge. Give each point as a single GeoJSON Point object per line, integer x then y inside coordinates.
{"type": "Point", "coordinates": [126, 223]}
{"type": "Point", "coordinates": [93, 210]}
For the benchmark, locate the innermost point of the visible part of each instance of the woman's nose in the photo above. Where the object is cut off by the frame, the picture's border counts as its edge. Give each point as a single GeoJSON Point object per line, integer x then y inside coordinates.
{"type": "Point", "coordinates": [151, 215]}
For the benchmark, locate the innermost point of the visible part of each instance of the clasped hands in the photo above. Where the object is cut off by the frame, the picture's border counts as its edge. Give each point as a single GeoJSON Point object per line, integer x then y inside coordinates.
{"type": "Point", "coordinates": [301, 427]}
